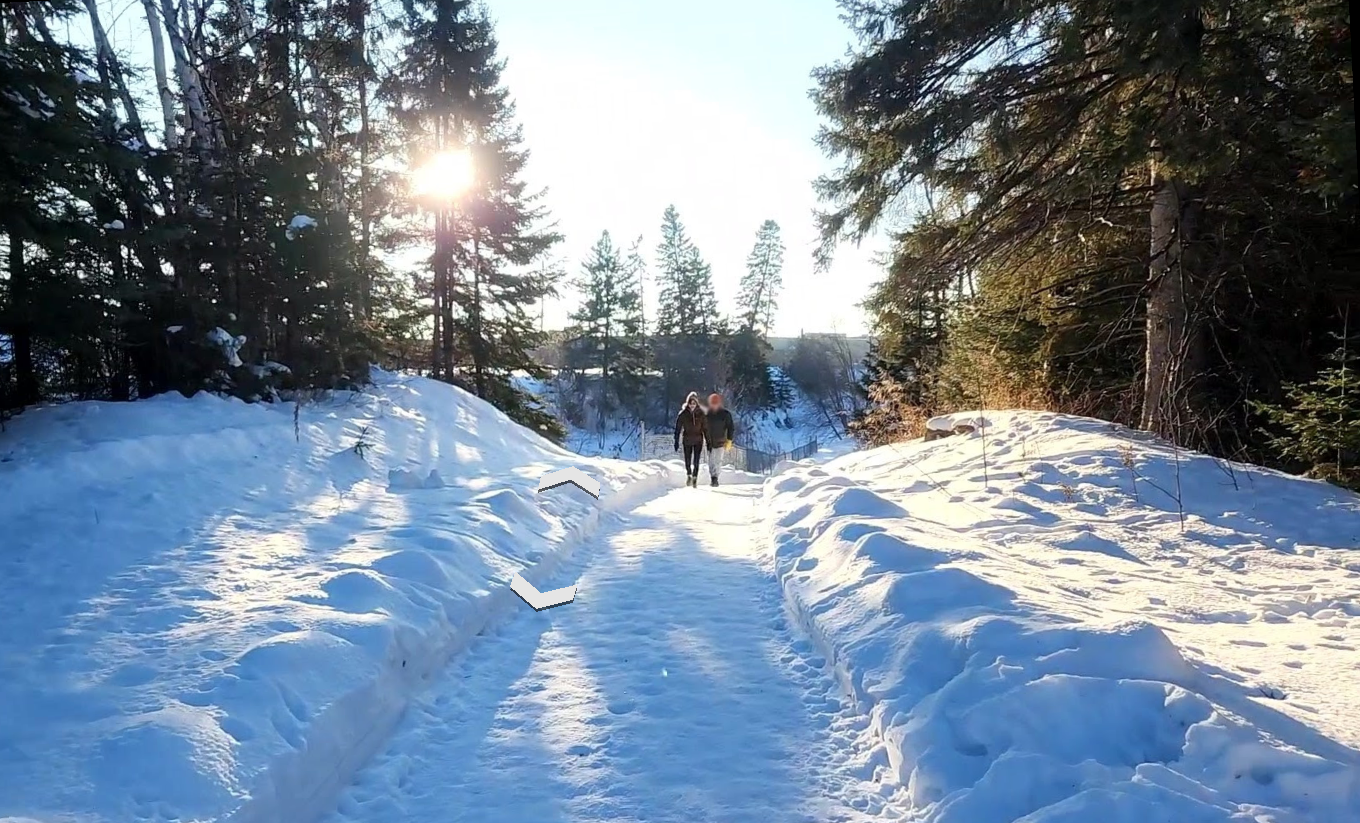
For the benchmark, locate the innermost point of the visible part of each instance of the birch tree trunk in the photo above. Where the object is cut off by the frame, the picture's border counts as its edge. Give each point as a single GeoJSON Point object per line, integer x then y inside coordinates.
{"type": "Point", "coordinates": [170, 137]}
{"type": "Point", "coordinates": [195, 103]}
{"type": "Point", "coordinates": [112, 72]}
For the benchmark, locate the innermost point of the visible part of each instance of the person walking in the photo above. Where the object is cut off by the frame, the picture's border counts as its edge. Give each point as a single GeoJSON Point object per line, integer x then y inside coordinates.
{"type": "Point", "coordinates": [690, 426]}
{"type": "Point", "coordinates": [718, 432]}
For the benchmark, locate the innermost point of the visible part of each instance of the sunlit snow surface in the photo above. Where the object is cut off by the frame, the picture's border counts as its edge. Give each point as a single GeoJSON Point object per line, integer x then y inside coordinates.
{"type": "Point", "coordinates": [672, 690]}
{"type": "Point", "coordinates": [1037, 636]}
{"type": "Point", "coordinates": [190, 584]}
{"type": "Point", "coordinates": [206, 607]}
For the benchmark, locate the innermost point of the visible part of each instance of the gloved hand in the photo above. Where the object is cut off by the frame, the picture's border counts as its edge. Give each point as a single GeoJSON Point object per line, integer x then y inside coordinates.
{"type": "Point", "coordinates": [677, 446]}
{"type": "Point", "coordinates": [727, 445]}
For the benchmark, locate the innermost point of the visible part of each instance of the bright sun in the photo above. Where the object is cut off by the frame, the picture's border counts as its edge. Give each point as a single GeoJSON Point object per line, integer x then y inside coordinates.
{"type": "Point", "coordinates": [446, 176]}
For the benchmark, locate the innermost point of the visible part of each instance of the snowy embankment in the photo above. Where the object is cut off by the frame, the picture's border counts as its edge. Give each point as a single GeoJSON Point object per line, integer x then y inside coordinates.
{"type": "Point", "coordinates": [1037, 636]}
{"type": "Point", "coordinates": [217, 608]}
{"type": "Point", "coordinates": [775, 430]}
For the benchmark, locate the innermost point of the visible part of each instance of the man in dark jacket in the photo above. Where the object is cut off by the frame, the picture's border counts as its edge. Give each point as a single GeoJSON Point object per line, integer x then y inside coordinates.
{"type": "Point", "coordinates": [691, 426]}
{"type": "Point", "coordinates": [718, 433]}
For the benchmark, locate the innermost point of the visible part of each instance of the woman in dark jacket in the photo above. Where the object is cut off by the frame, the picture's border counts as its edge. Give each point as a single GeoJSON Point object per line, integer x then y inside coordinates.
{"type": "Point", "coordinates": [691, 425]}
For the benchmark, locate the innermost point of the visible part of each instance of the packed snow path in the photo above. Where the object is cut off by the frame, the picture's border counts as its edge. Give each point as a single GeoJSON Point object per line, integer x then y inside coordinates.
{"type": "Point", "coordinates": [671, 690]}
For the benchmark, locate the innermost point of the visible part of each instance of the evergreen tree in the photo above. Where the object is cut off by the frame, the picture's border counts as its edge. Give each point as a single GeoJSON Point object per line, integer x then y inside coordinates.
{"type": "Point", "coordinates": [686, 306]}
{"type": "Point", "coordinates": [635, 273]}
{"type": "Point", "coordinates": [782, 390]}
{"type": "Point", "coordinates": [686, 346]}
{"type": "Point", "coordinates": [450, 98]}
{"type": "Point", "coordinates": [1318, 425]}
{"type": "Point", "coordinates": [609, 333]}
{"type": "Point", "coordinates": [763, 279]}
{"type": "Point", "coordinates": [1099, 189]}
{"type": "Point", "coordinates": [631, 370]}
{"type": "Point", "coordinates": [748, 369]}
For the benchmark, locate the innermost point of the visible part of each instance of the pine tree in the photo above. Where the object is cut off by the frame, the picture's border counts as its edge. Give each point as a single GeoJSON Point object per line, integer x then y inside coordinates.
{"type": "Point", "coordinates": [760, 285]}
{"type": "Point", "coordinates": [609, 333]}
{"type": "Point", "coordinates": [1318, 426]}
{"type": "Point", "coordinates": [450, 96]}
{"type": "Point", "coordinates": [673, 255]}
{"type": "Point", "coordinates": [782, 391]}
{"type": "Point", "coordinates": [1089, 182]}
{"type": "Point", "coordinates": [59, 265]}
{"type": "Point", "coordinates": [748, 369]}
{"type": "Point", "coordinates": [635, 272]}
{"type": "Point", "coordinates": [684, 347]}
{"type": "Point", "coordinates": [631, 368]}
{"type": "Point", "coordinates": [686, 305]}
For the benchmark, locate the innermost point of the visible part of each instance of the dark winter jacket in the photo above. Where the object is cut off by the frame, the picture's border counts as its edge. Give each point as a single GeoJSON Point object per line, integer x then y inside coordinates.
{"type": "Point", "coordinates": [721, 427]}
{"type": "Point", "coordinates": [690, 427]}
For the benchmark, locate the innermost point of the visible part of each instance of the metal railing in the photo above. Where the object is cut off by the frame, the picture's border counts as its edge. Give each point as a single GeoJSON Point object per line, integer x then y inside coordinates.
{"type": "Point", "coordinates": [804, 451]}
{"type": "Point", "coordinates": [660, 444]}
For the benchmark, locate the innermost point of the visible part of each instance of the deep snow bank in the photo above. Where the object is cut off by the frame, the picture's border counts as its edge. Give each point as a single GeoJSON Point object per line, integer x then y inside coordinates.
{"type": "Point", "coordinates": [208, 601]}
{"type": "Point", "coordinates": [1036, 638]}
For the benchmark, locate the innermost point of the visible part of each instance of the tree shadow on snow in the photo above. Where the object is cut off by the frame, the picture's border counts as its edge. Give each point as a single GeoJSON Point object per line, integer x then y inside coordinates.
{"type": "Point", "coordinates": [700, 723]}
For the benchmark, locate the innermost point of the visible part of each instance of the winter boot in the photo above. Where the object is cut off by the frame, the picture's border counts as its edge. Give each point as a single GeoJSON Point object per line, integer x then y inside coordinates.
{"type": "Point", "coordinates": [714, 481]}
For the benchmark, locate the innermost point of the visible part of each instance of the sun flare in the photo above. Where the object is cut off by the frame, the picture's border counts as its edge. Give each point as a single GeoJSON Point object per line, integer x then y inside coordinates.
{"type": "Point", "coordinates": [445, 176]}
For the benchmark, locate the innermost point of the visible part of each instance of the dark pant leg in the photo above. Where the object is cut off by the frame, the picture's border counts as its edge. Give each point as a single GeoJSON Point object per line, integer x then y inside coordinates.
{"type": "Point", "coordinates": [692, 455]}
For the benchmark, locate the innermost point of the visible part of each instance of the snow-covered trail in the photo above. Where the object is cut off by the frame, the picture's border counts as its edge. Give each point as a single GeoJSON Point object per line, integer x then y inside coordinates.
{"type": "Point", "coordinates": [672, 689]}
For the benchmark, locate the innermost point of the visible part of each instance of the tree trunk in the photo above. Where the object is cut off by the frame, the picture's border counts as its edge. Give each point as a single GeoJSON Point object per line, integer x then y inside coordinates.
{"type": "Point", "coordinates": [365, 199]}
{"type": "Point", "coordinates": [194, 98]}
{"type": "Point", "coordinates": [1175, 349]}
{"type": "Point", "coordinates": [475, 310]}
{"type": "Point", "coordinates": [447, 306]}
{"type": "Point", "coordinates": [437, 341]}
{"type": "Point", "coordinates": [25, 375]}
{"type": "Point", "coordinates": [170, 137]}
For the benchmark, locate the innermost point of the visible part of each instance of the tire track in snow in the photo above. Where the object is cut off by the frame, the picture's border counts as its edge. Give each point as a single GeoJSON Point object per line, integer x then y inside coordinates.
{"type": "Point", "coordinates": [671, 690]}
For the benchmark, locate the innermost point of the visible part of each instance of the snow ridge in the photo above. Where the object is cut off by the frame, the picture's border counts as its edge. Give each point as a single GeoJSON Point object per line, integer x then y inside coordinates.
{"type": "Point", "coordinates": [994, 710]}
{"type": "Point", "coordinates": [305, 784]}
{"type": "Point", "coordinates": [209, 597]}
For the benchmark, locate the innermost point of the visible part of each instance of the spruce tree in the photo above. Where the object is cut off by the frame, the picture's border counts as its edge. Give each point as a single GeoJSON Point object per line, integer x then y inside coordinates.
{"type": "Point", "coordinates": [450, 97]}
{"type": "Point", "coordinates": [760, 286]}
{"type": "Point", "coordinates": [1088, 183]}
{"type": "Point", "coordinates": [58, 263]}
{"type": "Point", "coordinates": [748, 369]}
{"type": "Point", "coordinates": [686, 345]}
{"type": "Point", "coordinates": [1317, 427]}
{"type": "Point", "coordinates": [673, 255]}
{"type": "Point", "coordinates": [686, 305]}
{"type": "Point", "coordinates": [608, 327]}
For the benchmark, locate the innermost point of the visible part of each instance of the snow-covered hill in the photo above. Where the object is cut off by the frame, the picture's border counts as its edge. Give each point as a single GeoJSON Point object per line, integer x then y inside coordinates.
{"type": "Point", "coordinates": [203, 602]}
{"type": "Point", "coordinates": [218, 611]}
{"type": "Point", "coordinates": [772, 430]}
{"type": "Point", "coordinates": [1067, 621]}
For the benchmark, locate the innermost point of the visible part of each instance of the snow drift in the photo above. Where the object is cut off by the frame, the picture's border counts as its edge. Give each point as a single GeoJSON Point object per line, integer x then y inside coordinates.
{"type": "Point", "coordinates": [215, 607]}
{"type": "Point", "coordinates": [1038, 636]}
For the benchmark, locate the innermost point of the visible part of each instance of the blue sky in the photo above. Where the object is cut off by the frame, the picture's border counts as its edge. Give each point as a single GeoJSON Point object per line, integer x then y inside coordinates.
{"type": "Point", "coordinates": [629, 105]}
